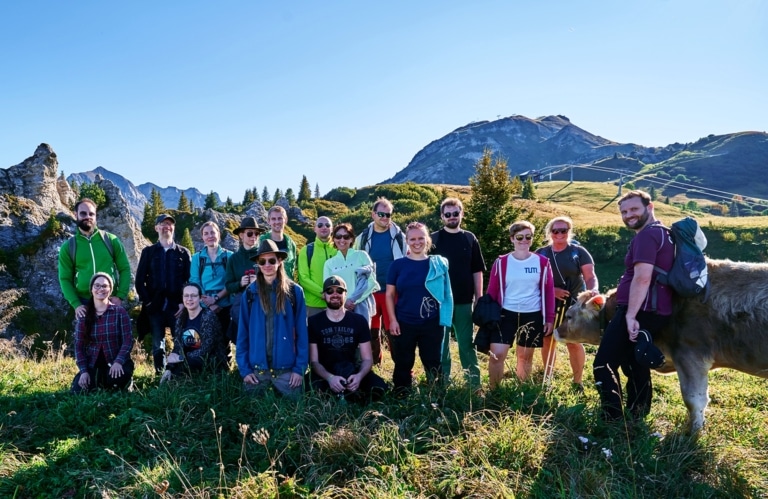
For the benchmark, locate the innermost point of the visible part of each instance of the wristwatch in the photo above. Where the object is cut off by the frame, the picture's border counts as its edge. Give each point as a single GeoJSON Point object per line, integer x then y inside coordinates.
{"type": "Point", "coordinates": [215, 298]}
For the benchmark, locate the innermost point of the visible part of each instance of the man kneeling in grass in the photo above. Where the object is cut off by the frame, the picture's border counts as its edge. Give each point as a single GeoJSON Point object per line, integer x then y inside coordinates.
{"type": "Point", "coordinates": [335, 337]}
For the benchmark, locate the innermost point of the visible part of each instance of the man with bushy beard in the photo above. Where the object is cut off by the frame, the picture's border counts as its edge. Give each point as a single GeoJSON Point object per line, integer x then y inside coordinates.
{"type": "Point", "coordinates": [89, 251]}
{"type": "Point", "coordinates": [335, 337]}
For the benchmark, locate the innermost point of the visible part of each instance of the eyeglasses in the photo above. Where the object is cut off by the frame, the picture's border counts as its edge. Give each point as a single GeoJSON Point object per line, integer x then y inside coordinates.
{"type": "Point", "coordinates": [335, 291]}
{"type": "Point", "coordinates": [323, 224]}
{"type": "Point", "coordinates": [520, 237]}
{"type": "Point", "coordinates": [190, 296]}
{"type": "Point", "coordinates": [451, 214]}
{"type": "Point", "coordinates": [559, 231]}
{"type": "Point", "coordinates": [89, 214]}
{"type": "Point", "coordinates": [383, 214]}
{"type": "Point", "coordinates": [264, 261]}
{"type": "Point", "coordinates": [101, 286]}
{"type": "Point", "coordinates": [251, 233]}
{"type": "Point", "coordinates": [346, 237]}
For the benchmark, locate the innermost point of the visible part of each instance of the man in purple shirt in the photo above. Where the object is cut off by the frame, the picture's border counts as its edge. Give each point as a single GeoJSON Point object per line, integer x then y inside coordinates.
{"type": "Point", "coordinates": [642, 304]}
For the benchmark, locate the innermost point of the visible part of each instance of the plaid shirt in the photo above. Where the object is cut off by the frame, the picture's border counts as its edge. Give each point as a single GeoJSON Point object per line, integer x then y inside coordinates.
{"type": "Point", "coordinates": [111, 334]}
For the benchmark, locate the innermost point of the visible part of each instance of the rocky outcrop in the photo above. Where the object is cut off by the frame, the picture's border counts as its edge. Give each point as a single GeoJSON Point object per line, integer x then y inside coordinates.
{"type": "Point", "coordinates": [35, 219]}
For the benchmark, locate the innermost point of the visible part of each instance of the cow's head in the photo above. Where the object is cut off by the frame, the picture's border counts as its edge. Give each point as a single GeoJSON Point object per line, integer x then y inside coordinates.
{"type": "Point", "coordinates": [582, 320]}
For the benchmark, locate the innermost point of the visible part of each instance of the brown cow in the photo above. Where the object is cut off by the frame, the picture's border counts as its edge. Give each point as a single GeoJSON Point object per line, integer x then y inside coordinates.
{"type": "Point", "coordinates": [729, 330]}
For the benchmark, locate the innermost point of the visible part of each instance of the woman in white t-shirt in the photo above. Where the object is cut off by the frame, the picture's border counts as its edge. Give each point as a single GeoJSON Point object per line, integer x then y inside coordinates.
{"type": "Point", "coordinates": [521, 283]}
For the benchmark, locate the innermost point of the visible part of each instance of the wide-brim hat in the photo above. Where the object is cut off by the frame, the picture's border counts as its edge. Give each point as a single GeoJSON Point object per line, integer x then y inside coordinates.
{"type": "Point", "coordinates": [248, 223]}
{"type": "Point", "coordinates": [269, 246]}
{"type": "Point", "coordinates": [646, 353]}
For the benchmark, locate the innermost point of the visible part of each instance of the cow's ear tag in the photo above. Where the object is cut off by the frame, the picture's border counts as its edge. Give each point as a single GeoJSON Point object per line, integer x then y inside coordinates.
{"type": "Point", "coordinates": [598, 301]}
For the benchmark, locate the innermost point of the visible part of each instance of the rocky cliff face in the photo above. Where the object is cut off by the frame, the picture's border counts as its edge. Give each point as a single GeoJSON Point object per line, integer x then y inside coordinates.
{"type": "Point", "coordinates": [35, 220]}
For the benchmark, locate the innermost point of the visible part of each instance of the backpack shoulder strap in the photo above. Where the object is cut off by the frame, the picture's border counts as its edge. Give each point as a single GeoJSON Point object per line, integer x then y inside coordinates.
{"type": "Point", "coordinates": [107, 238]}
{"type": "Point", "coordinates": [310, 252]}
{"type": "Point", "coordinates": [73, 250]}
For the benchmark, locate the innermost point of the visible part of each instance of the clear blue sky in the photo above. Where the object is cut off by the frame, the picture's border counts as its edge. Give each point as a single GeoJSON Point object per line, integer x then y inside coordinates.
{"type": "Point", "coordinates": [229, 95]}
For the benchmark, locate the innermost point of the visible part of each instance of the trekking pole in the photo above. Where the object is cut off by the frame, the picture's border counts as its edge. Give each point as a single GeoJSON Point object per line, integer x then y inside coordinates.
{"type": "Point", "coordinates": [549, 364]}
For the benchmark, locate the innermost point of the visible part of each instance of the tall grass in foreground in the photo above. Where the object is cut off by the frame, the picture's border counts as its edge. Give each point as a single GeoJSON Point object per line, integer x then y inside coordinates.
{"type": "Point", "coordinates": [204, 438]}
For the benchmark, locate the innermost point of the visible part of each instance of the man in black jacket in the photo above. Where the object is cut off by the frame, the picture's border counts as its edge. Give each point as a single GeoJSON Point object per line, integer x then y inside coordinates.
{"type": "Point", "coordinates": [163, 270]}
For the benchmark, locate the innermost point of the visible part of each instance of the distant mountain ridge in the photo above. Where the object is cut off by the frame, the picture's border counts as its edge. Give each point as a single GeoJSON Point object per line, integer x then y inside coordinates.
{"type": "Point", "coordinates": [137, 196]}
{"type": "Point", "coordinates": [551, 145]}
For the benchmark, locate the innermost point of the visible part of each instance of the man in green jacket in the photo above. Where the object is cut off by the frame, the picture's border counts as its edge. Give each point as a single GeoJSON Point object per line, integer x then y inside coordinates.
{"type": "Point", "coordinates": [94, 251]}
{"type": "Point", "coordinates": [311, 261]}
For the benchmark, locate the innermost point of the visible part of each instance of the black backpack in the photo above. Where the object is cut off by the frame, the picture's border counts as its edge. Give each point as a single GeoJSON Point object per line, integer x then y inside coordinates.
{"type": "Point", "coordinates": [688, 275]}
{"type": "Point", "coordinates": [204, 256]}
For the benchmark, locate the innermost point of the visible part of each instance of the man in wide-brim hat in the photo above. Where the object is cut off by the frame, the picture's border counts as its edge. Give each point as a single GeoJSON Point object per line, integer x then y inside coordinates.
{"type": "Point", "coordinates": [272, 338]}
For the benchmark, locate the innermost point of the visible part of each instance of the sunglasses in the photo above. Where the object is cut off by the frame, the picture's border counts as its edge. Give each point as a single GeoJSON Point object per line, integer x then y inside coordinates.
{"type": "Point", "coordinates": [101, 286]}
{"type": "Point", "coordinates": [520, 237]}
{"type": "Point", "coordinates": [383, 214]}
{"type": "Point", "coordinates": [251, 233]}
{"type": "Point", "coordinates": [335, 291]}
{"type": "Point", "coordinates": [323, 224]}
{"type": "Point", "coordinates": [342, 236]}
{"type": "Point", "coordinates": [559, 231]}
{"type": "Point", "coordinates": [451, 214]}
{"type": "Point", "coordinates": [264, 261]}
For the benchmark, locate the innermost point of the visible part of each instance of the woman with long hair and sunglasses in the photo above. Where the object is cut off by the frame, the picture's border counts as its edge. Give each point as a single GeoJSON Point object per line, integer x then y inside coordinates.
{"type": "Point", "coordinates": [103, 341]}
{"type": "Point", "coordinates": [573, 270]}
{"type": "Point", "coordinates": [197, 339]}
{"type": "Point", "coordinates": [420, 307]}
{"type": "Point", "coordinates": [357, 270]}
{"type": "Point", "coordinates": [272, 337]}
{"type": "Point", "coordinates": [521, 283]}
{"type": "Point", "coordinates": [241, 270]}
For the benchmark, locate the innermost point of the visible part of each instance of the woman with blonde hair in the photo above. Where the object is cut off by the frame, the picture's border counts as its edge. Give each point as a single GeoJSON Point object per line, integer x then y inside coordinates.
{"type": "Point", "coordinates": [573, 271]}
{"type": "Point", "coordinates": [420, 307]}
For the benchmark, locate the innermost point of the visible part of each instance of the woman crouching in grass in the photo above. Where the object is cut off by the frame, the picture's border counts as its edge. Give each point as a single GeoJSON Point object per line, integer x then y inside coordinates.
{"type": "Point", "coordinates": [197, 341]}
{"type": "Point", "coordinates": [103, 341]}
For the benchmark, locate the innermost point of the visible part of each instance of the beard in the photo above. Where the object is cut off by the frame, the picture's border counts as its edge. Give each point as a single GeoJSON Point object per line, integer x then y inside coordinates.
{"type": "Point", "coordinates": [335, 304]}
{"type": "Point", "coordinates": [452, 223]}
{"type": "Point", "coordinates": [641, 221]}
{"type": "Point", "coordinates": [86, 225]}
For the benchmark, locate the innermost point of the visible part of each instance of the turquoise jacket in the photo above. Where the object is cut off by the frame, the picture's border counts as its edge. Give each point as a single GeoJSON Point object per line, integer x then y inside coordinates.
{"type": "Point", "coordinates": [438, 284]}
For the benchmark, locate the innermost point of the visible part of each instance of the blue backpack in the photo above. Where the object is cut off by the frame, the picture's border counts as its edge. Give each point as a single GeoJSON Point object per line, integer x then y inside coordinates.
{"type": "Point", "coordinates": [688, 275]}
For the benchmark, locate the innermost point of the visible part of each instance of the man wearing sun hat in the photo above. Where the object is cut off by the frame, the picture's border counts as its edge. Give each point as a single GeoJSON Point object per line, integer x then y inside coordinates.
{"type": "Point", "coordinates": [335, 337]}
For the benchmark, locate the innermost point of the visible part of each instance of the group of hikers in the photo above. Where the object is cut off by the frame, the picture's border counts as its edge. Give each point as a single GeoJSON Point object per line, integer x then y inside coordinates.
{"type": "Point", "coordinates": [409, 290]}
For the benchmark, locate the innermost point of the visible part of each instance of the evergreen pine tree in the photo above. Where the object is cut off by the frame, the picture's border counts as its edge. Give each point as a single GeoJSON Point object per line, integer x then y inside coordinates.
{"type": "Point", "coordinates": [184, 203]}
{"type": "Point", "coordinates": [317, 190]}
{"type": "Point", "coordinates": [277, 196]}
{"type": "Point", "coordinates": [229, 206]}
{"type": "Point", "coordinates": [211, 202]}
{"type": "Point", "coordinates": [529, 190]}
{"type": "Point", "coordinates": [265, 195]}
{"type": "Point", "coordinates": [489, 210]}
{"type": "Point", "coordinates": [305, 193]}
{"type": "Point", "coordinates": [290, 196]}
{"type": "Point", "coordinates": [517, 186]}
{"type": "Point", "coordinates": [186, 240]}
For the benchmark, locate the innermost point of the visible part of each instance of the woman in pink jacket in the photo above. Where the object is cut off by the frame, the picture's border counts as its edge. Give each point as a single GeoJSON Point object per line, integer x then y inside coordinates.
{"type": "Point", "coordinates": [521, 282]}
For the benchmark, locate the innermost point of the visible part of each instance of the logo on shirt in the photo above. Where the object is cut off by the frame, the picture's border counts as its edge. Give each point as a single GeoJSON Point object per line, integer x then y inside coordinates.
{"type": "Point", "coordinates": [428, 307]}
{"type": "Point", "coordinates": [531, 270]}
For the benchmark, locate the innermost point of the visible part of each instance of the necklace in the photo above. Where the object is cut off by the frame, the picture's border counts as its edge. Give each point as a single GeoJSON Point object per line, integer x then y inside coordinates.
{"type": "Point", "coordinates": [554, 261]}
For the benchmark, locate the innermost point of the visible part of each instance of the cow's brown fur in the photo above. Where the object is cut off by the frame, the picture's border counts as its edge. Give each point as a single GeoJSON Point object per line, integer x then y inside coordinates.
{"type": "Point", "coordinates": [729, 330]}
